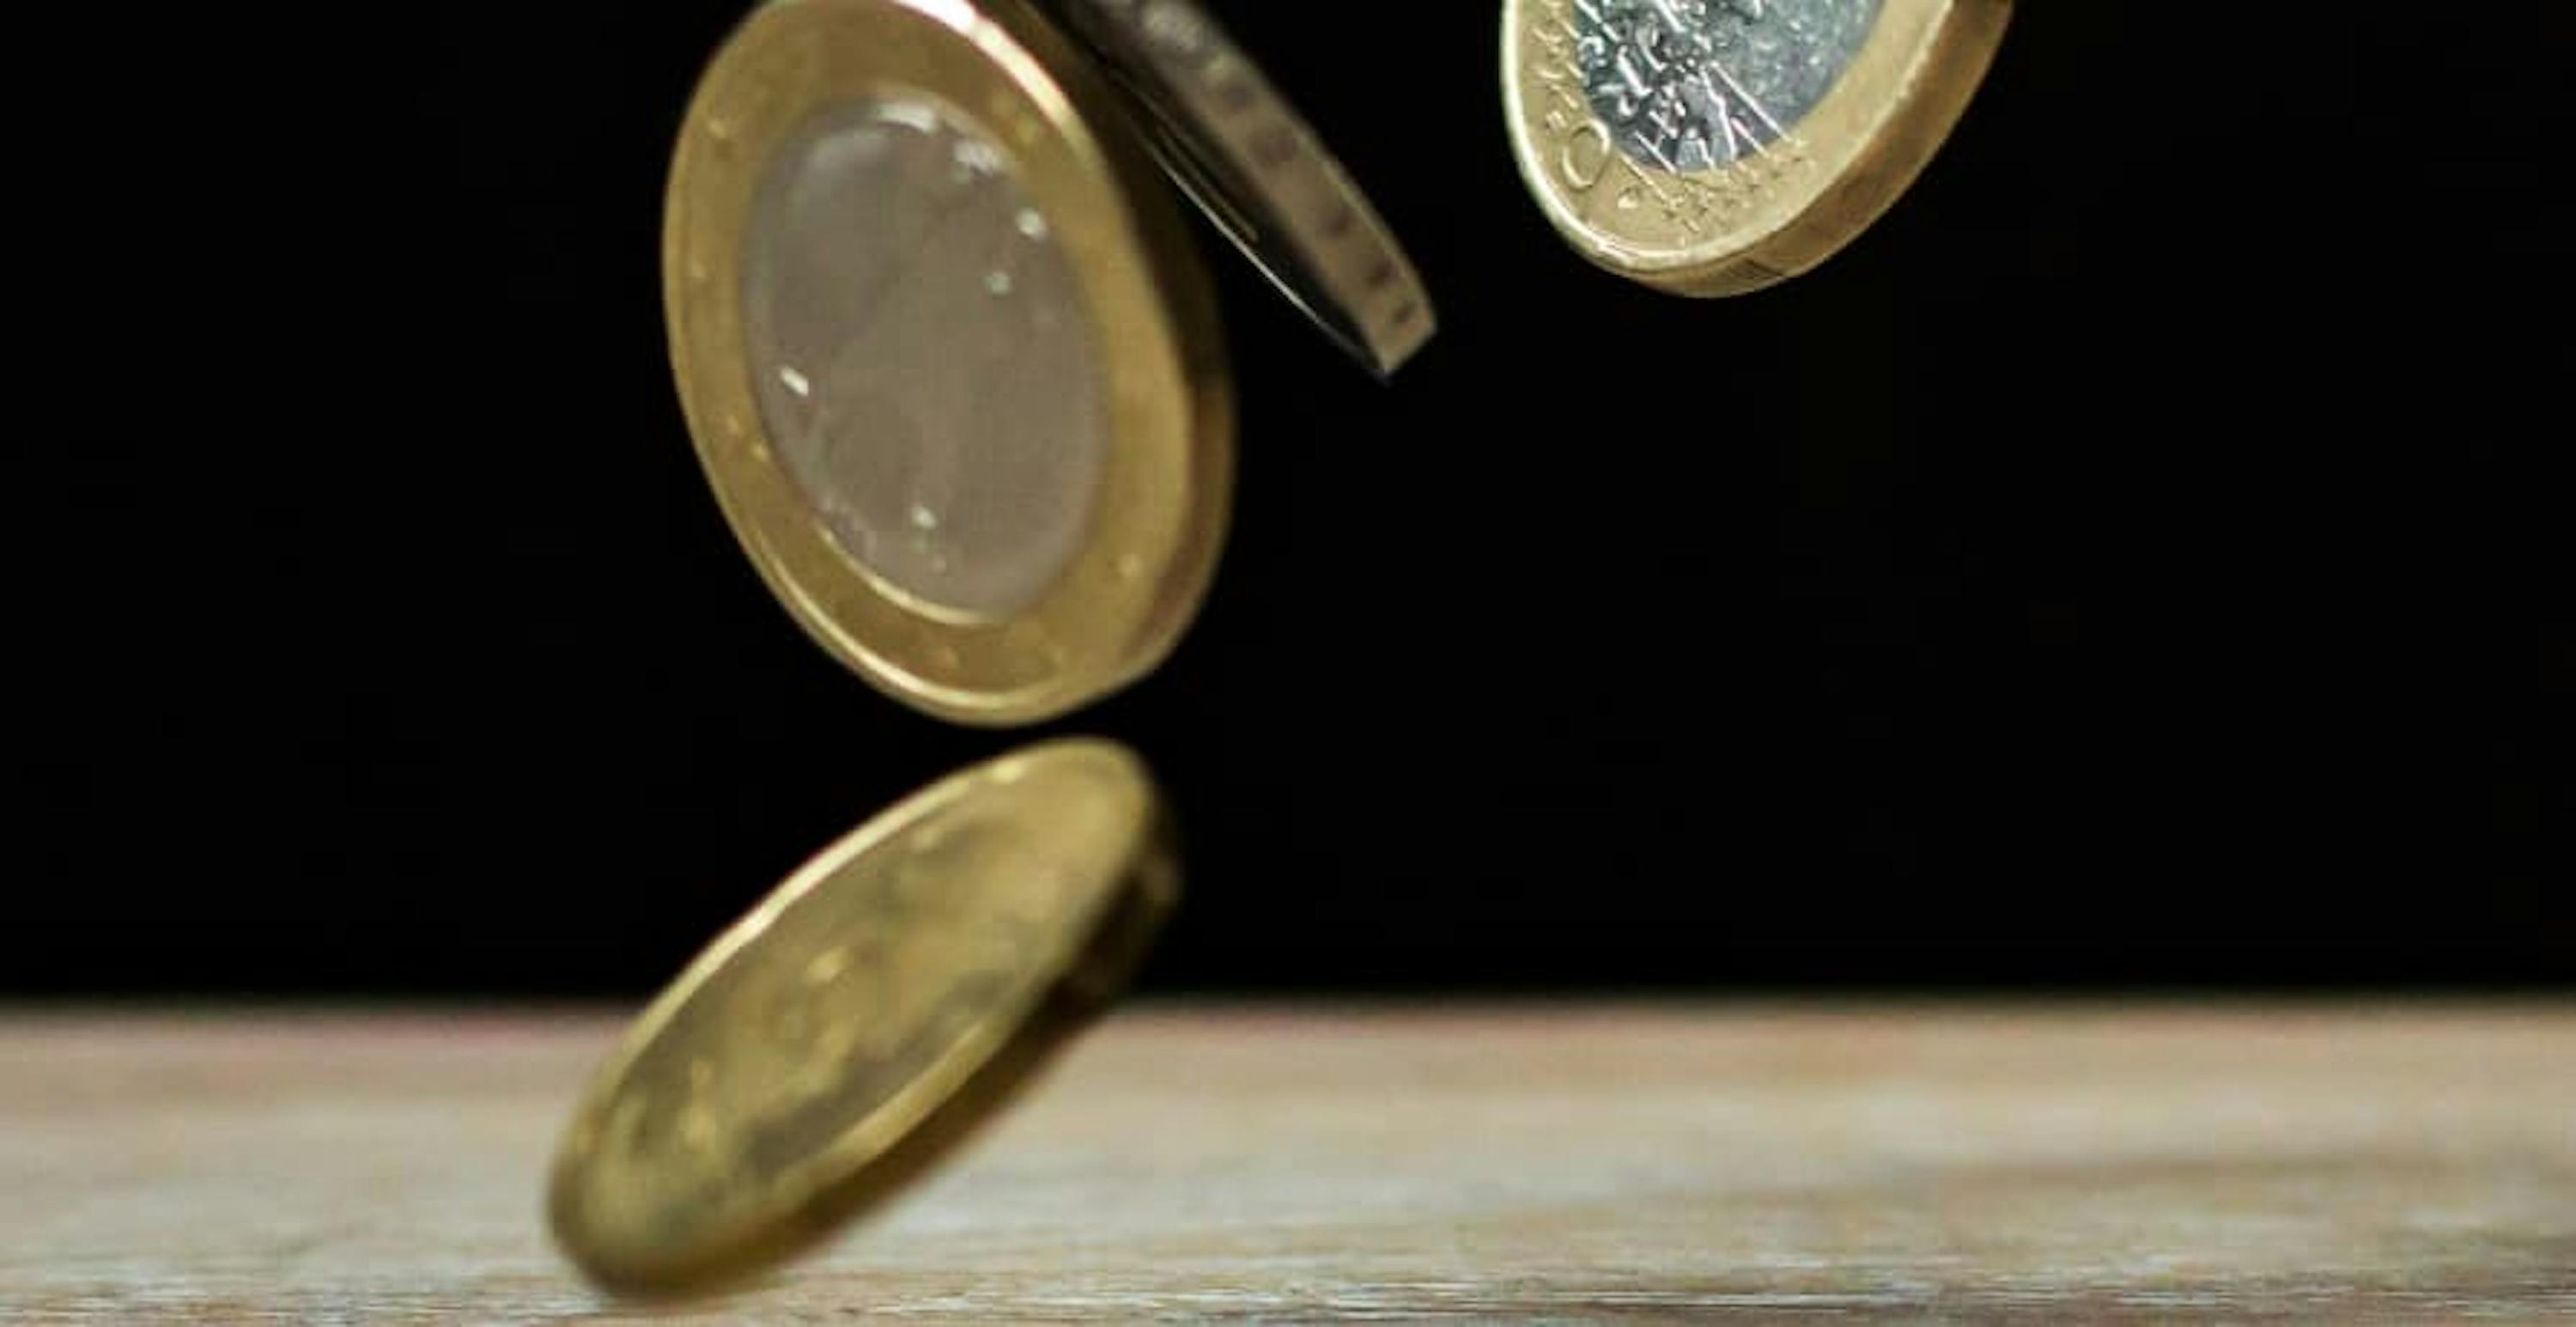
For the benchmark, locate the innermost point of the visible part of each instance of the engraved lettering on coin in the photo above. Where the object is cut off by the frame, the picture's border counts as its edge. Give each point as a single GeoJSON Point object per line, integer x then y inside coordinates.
{"type": "Point", "coordinates": [1584, 158]}
{"type": "Point", "coordinates": [1692, 85]}
{"type": "Point", "coordinates": [922, 358]}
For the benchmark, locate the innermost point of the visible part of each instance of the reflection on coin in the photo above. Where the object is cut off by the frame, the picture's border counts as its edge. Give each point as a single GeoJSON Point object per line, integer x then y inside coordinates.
{"type": "Point", "coordinates": [1260, 175]}
{"type": "Point", "coordinates": [945, 352]}
{"type": "Point", "coordinates": [959, 467]}
{"type": "Point", "coordinates": [890, 994]}
{"type": "Point", "coordinates": [1712, 147]}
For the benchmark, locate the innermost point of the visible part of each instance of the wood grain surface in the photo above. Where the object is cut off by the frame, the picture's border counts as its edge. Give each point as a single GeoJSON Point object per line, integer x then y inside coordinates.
{"type": "Point", "coordinates": [1510, 1162]}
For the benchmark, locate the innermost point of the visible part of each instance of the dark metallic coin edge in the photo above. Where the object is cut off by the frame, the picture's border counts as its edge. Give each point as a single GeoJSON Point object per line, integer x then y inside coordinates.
{"type": "Point", "coordinates": [1258, 172]}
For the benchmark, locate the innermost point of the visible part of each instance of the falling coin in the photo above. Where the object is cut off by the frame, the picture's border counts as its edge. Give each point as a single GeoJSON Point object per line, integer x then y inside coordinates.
{"type": "Point", "coordinates": [857, 1024]}
{"type": "Point", "coordinates": [1261, 175]}
{"type": "Point", "coordinates": [1714, 147]}
{"type": "Point", "coordinates": [945, 352]}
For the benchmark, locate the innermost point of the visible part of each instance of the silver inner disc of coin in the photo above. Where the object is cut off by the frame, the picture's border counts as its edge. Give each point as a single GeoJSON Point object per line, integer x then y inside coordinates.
{"type": "Point", "coordinates": [924, 366]}
{"type": "Point", "coordinates": [1687, 85]}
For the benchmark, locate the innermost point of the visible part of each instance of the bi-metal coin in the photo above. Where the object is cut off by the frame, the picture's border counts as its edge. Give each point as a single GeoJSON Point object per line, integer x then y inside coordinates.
{"type": "Point", "coordinates": [945, 351]}
{"type": "Point", "coordinates": [1714, 147]}
{"type": "Point", "coordinates": [942, 341]}
{"type": "Point", "coordinates": [863, 1018]}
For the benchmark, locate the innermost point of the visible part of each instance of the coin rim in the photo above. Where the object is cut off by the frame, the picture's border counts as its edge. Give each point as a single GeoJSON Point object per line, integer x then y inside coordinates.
{"type": "Point", "coordinates": [1863, 156]}
{"type": "Point", "coordinates": [1159, 520]}
{"type": "Point", "coordinates": [881, 1152]}
{"type": "Point", "coordinates": [1262, 176]}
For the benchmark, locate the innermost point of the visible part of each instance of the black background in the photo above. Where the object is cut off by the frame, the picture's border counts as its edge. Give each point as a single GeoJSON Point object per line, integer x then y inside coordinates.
{"type": "Point", "coordinates": [2138, 561]}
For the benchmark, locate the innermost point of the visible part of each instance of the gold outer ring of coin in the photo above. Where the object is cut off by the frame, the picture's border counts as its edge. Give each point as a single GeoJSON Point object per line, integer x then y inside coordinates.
{"type": "Point", "coordinates": [1261, 175]}
{"type": "Point", "coordinates": [860, 1022]}
{"type": "Point", "coordinates": [1775, 213]}
{"type": "Point", "coordinates": [1159, 518]}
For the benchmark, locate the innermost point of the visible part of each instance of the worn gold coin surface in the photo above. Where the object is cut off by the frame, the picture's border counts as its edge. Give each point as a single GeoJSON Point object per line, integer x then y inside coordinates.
{"type": "Point", "coordinates": [1713, 147]}
{"type": "Point", "coordinates": [946, 352]}
{"type": "Point", "coordinates": [888, 995]}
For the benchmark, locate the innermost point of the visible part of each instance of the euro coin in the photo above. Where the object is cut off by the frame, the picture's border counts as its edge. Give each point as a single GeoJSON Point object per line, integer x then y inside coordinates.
{"type": "Point", "coordinates": [1260, 174]}
{"type": "Point", "coordinates": [945, 352]}
{"type": "Point", "coordinates": [852, 1028]}
{"type": "Point", "coordinates": [1714, 147]}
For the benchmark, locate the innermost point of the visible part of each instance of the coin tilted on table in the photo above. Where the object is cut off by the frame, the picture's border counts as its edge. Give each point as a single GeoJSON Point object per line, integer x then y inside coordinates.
{"type": "Point", "coordinates": [1715, 147]}
{"type": "Point", "coordinates": [893, 992]}
{"type": "Point", "coordinates": [946, 352]}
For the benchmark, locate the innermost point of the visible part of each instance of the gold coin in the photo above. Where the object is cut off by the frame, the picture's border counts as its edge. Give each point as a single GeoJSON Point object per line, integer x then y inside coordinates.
{"type": "Point", "coordinates": [1714, 147]}
{"type": "Point", "coordinates": [859, 1021]}
{"type": "Point", "coordinates": [945, 351]}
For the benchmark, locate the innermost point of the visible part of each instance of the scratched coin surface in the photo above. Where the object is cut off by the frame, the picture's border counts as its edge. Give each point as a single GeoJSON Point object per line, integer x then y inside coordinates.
{"type": "Point", "coordinates": [1713, 147]}
{"type": "Point", "coordinates": [945, 351]}
{"type": "Point", "coordinates": [892, 992]}
{"type": "Point", "coordinates": [922, 360]}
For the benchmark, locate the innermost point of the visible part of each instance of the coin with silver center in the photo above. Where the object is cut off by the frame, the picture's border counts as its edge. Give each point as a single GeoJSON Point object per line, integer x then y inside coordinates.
{"type": "Point", "coordinates": [1711, 147]}
{"type": "Point", "coordinates": [946, 353]}
{"type": "Point", "coordinates": [1695, 84]}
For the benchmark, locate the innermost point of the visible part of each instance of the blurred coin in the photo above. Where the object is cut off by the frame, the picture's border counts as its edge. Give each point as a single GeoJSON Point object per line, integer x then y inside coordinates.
{"type": "Point", "coordinates": [859, 1021]}
{"type": "Point", "coordinates": [1259, 174]}
{"type": "Point", "coordinates": [945, 352]}
{"type": "Point", "coordinates": [1713, 147]}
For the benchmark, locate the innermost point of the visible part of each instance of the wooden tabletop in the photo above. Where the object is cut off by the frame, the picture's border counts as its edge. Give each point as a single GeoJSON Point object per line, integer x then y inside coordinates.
{"type": "Point", "coordinates": [1648, 1161]}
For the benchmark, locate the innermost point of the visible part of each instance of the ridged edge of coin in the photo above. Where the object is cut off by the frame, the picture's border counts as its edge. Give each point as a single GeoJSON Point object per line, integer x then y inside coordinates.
{"type": "Point", "coordinates": [1262, 176]}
